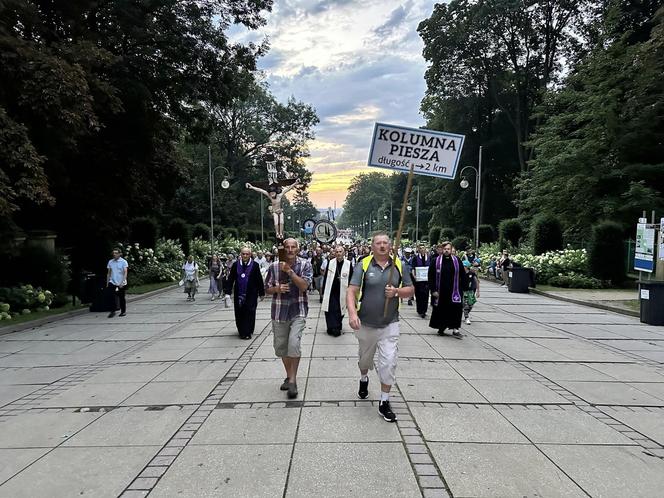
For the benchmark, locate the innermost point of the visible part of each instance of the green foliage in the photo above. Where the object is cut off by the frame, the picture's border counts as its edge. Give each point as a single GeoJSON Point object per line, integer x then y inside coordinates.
{"type": "Point", "coordinates": [144, 230]}
{"type": "Point", "coordinates": [461, 243]}
{"type": "Point", "coordinates": [546, 234]}
{"type": "Point", "coordinates": [447, 233]}
{"type": "Point", "coordinates": [510, 231]}
{"type": "Point", "coordinates": [487, 234]}
{"type": "Point", "coordinates": [39, 267]}
{"type": "Point", "coordinates": [201, 231]}
{"type": "Point", "coordinates": [606, 260]}
{"type": "Point", "coordinates": [15, 300]}
{"type": "Point", "coordinates": [599, 153]}
{"type": "Point", "coordinates": [230, 233]}
{"type": "Point", "coordinates": [434, 235]}
{"type": "Point", "coordinates": [178, 229]}
{"type": "Point", "coordinates": [576, 281]}
{"type": "Point", "coordinates": [200, 250]}
{"type": "Point", "coordinates": [95, 97]}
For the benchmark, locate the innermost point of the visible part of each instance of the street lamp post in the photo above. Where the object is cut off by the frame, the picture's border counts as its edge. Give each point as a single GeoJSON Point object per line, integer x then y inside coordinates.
{"type": "Point", "coordinates": [478, 185]}
{"type": "Point", "coordinates": [224, 185]}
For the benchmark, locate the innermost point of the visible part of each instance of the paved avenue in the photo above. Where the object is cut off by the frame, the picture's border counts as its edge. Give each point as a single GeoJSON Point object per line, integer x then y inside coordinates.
{"type": "Point", "coordinates": [541, 398]}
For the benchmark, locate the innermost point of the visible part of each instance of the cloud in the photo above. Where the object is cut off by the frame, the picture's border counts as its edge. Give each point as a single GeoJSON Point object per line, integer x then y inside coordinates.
{"type": "Point", "coordinates": [356, 62]}
{"type": "Point", "coordinates": [397, 17]}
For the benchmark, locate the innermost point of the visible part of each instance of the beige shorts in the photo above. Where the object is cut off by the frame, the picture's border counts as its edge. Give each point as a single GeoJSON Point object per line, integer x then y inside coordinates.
{"type": "Point", "coordinates": [288, 337]}
{"type": "Point", "coordinates": [383, 344]}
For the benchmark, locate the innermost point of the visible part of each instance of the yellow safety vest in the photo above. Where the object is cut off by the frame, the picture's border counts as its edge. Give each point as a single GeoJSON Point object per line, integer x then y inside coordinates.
{"type": "Point", "coordinates": [366, 262]}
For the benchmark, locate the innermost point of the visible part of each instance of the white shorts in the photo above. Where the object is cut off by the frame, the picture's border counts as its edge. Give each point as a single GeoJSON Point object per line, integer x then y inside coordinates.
{"type": "Point", "coordinates": [382, 343]}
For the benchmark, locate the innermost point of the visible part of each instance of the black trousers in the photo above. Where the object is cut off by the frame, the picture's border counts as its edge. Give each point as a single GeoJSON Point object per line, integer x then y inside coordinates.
{"type": "Point", "coordinates": [333, 317]}
{"type": "Point", "coordinates": [116, 298]}
{"type": "Point", "coordinates": [245, 320]}
{"type": "Point", "coordinates": [422, 297]}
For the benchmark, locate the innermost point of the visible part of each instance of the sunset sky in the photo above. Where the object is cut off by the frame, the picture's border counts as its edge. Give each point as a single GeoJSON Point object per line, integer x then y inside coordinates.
{"type": "Point", "coordinates": [356, 62]}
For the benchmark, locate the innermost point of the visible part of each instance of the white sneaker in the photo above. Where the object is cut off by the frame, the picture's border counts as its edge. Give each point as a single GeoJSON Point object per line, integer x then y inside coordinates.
{"type": "Point", "coordinates": [212, 298]}
{"type": "Point", "coordinates": [467, 321]}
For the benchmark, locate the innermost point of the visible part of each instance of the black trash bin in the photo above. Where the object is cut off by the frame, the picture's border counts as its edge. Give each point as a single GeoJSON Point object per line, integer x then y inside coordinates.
{"type": "Point", "coordinates": [520, 279]}
{"type": "Point", "coordinates": [651, 297]}
{"type": "Point", "coordinates": [87, 287]}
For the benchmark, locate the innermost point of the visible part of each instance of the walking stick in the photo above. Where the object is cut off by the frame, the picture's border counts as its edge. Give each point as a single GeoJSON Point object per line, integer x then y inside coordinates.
{"type": "Point", "coordinates": [397, 239]}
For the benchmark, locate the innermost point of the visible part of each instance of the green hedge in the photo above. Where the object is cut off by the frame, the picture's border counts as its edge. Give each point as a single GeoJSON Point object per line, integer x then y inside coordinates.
{"type": "Point", "coordinates": [510, 231]}
{"type": "Point", "coordinates": [606, 253]}
{"type": "Point", "coordinates": [547, 234]}
{"type": "Point", "coordinates": [434, 235]}
{"type": "Point", "coordinates": [145, 231]}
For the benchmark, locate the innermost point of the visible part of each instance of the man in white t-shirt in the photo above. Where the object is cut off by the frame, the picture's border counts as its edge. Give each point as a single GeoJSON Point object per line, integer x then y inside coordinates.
{"type": "Point", "coordinates": [116, 282]}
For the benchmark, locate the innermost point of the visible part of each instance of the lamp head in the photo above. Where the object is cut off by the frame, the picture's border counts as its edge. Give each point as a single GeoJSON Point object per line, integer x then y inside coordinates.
{"type": "Point", "coordinates": [409, 208]}
{"type": "Point", "coordinates": [225, 184]}
{"type": "Point", "coordinates": [464, 183]}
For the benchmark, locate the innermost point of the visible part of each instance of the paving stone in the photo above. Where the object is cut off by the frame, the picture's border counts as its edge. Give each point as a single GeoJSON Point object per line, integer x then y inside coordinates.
{"type": "Point", "coordinates": [344, 424]}
{"type": "Point", "coordinates": [564, 427]}
{"type": "Point", "coordinates": [488, 470]}
{"type": "Point", "coordinates": [466, 424]}
{"type": "Point", "coordinates": [124, 427]}
{"type": "Point", "coordinates": [98, 472]}
{"type": "Point", "coordinates": [612, 471]}
{"type": "Point", "coordinates": [252, 426]}
{"type": "Point", "coordinates": [143, 483]}
{"type": "Point", "coordinates": [308, 475]}
{"type": "Point", "coordinates": [430, 481]}
{"type": "Point", "coordinates": [223, 471]}
{"type": "Point", "coordinates": [426, 470]}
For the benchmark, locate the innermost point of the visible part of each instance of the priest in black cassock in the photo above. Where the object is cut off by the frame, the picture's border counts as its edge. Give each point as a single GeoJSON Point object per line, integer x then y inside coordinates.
{"type": "Point", "coordinates": [420, 264]}
{"type": "Point", "coordinates": [336, 277]}
{"type": "Point", "coordinates": [246, 283]}
{"type": "Point", "coordinates": [447, 281]}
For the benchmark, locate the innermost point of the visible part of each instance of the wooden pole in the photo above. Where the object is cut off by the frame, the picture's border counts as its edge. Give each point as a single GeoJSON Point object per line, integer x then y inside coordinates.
{"type": "Point", "coordinates": [397, 239]}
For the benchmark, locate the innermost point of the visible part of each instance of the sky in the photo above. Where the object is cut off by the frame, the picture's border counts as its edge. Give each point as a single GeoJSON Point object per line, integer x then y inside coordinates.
{"type": "Point", "coordinates": [356, 62]}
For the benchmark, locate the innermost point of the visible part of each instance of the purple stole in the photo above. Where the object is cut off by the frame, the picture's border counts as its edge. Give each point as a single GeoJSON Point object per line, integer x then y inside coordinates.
{"type": "Point", "coordinates": [456, 296]}
{"type": "Point", "coordinates": [243, 280]}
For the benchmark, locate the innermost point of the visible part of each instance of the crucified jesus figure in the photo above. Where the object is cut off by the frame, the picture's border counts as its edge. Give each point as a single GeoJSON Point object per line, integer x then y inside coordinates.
{"type": "Point", "coordinates": [275, 193]}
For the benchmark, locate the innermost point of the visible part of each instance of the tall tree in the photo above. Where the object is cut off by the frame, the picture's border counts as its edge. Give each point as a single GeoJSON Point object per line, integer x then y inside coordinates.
{"type": "Point", "coordinates": [600, 153]}
{"type": "Point", "coordinates": [505, 51]}
{"type": "Point", "coordinates": [96, 94]}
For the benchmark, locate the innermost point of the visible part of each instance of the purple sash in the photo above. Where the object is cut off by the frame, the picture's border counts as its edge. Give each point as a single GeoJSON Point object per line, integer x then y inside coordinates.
{"type": "Point", "coordinates": [243, 280]}
{"type": "Point", "coordinates": [456, 296]}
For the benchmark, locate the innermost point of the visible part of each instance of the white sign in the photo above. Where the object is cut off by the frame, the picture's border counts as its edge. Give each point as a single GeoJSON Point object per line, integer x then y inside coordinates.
{"type": "Point", "coordinates": [645, 294]}
{"type": "Point", "coordinates": [644, 254]}
{"type": "Point", "coordinates": [421, 273]}
{"type": "Point", "coordinates": [433, 153]}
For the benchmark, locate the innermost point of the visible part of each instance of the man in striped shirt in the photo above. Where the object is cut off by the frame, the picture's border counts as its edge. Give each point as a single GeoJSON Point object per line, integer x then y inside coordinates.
{"type": "Point", "coordinates": [287, 281]}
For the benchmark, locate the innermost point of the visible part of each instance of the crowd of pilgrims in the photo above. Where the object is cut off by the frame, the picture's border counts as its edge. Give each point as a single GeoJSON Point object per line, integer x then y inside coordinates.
{"type": "Point", "coordinates": [458, 290]}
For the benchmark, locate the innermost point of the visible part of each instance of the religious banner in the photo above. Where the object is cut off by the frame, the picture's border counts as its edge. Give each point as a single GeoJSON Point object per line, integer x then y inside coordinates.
{"type": "Point", "coordinates": [431, 153]}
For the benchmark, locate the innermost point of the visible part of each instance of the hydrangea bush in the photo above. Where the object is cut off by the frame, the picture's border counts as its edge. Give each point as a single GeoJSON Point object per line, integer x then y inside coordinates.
{"type": "Point", "coordinates": [23, 300]}
{"type": "Point", "coordinates": [564, 268]}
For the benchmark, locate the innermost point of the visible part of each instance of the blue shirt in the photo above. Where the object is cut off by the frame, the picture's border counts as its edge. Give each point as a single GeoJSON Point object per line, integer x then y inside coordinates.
{"type": "Point", "coordinates": [117, 268]}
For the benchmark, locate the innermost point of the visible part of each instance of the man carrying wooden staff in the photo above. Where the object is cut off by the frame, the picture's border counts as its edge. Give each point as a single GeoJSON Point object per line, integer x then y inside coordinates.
{"type": "Point", "coordinates": [374, 286]}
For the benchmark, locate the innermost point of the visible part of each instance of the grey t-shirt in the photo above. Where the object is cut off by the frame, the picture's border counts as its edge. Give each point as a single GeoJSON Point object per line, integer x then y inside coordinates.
{"type": "Point", "coordinates": [373, 294]}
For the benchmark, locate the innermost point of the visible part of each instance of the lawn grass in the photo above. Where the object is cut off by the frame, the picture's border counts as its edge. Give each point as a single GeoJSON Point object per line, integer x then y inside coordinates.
{"type": "Point", "coordinates": [142, 289]}
{"type": "Point", "coordinates": [36, 315]}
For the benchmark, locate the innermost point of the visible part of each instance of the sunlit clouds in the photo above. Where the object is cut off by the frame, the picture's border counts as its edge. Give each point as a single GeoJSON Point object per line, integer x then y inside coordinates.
{"type": "Point", "coordinates": [356, 62]}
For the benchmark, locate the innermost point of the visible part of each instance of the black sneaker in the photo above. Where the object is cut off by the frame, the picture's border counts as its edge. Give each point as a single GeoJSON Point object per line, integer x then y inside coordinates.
{"type": "Point", "coordinates": [111, 314]}
{"type": "Point", "coordinates": [386, 411]}
{"type": "Point", "coordinates": [363, 392]}
{"type": "Point", "coordinates": [284, 386]}
{"type": "Point", "coordinates": [292, 390]}
{"type": "Point", "coordinates": [457, 334]}
{"type": "Point", "coordinates": [441, 332]}
{"type": "Point", "coordinates": [123, 313]}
